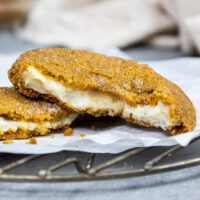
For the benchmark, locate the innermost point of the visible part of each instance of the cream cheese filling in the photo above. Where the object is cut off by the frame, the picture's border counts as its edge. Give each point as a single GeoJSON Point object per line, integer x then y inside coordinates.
{"type": "Point", "coordinates": [157, 115]}
{"type": "Point", "coordinates": [5, 124]}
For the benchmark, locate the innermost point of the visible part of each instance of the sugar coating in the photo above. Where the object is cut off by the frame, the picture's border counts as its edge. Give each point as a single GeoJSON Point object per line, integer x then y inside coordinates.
{"type": "Point", "coordinates": [21, 117]}
{"type": "Point", "coordinates": [127, 80]}
{"type": "Point", "coordinates": [17, 107]}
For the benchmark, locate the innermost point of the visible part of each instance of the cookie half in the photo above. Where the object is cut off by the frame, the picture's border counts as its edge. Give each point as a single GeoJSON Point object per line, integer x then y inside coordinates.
{"type": "Point", "coordinates": [99, 85]}
{"type": "Point", "coordinates": [21, 117]}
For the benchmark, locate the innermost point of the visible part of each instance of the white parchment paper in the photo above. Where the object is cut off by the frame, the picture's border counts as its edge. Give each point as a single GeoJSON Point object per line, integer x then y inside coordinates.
{"type": "Point", "coordinates": [114, 136]}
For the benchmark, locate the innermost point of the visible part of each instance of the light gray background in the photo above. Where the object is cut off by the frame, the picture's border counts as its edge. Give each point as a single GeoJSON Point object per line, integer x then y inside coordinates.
{"type": "Point", "coordinates": [181, 184]}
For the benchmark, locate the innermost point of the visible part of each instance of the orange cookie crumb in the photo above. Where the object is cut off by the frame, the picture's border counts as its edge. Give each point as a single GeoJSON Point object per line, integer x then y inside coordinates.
{"type": "Point", "coordinates": [32, 141]}
{"type": "Point", "coordinates": [82, 135]}
{"type": "Point", "coordinates": [52, 137]}
{"type": "Point", "coordinates": [8, 142]}
{"type": "Point", "coordinates": [13, 164]}
{"type": "Point", "coordinates": [68, 132]}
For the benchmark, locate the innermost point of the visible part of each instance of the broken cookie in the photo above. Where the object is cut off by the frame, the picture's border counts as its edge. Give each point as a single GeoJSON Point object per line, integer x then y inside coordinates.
{"type": "Point", "coordinates": [21, 117]}
{"type": "Point", "coordinates": [99, 85]}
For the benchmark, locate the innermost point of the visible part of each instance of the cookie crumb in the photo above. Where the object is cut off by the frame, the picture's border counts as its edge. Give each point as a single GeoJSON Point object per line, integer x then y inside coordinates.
{"type": "Point", "coordinates": [13, 164]}
{"type": "Point", "coordinates": [8, 142]}
{"type": "Point", "coordinates": [52, 137]}
{"type": "Point", "coordinates": [82, 135]}
{"type": "Point", "coordinates": [93, 127]}
{"type": "Point", "coordinates": [32, 141]}
{"type": "Point", "coordinates": [68, 132]}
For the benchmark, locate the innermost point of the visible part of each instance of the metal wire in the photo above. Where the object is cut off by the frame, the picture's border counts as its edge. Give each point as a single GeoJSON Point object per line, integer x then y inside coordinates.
{"type": "Point", "coordinates": [89, 173]}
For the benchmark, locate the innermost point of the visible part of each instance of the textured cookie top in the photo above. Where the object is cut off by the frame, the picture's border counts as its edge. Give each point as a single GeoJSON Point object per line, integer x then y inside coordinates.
{"type": "Point", "coordinates": [19, 108]}
{"type": "Point", "coordinates": [125, 79]}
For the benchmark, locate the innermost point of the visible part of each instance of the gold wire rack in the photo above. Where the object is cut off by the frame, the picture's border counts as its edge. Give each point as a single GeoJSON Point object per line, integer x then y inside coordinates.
{"type": "Point", "coordinates": [89, 172]}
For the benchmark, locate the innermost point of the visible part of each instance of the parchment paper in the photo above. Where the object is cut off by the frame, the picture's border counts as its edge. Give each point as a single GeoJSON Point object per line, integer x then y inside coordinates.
{"type": "Point", "coordinates": [114, 136]}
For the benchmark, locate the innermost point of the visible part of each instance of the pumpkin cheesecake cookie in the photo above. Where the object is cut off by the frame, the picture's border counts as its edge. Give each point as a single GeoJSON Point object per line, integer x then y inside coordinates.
{"type": "Point", "coordinates": [21, 117]}
{"type": "Point", "coordinates": [99, 85]}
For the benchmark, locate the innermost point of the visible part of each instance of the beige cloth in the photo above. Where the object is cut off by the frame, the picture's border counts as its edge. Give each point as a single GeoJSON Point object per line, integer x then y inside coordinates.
{"type": "Point", "coordinates": [100, 24]}
{"type": "Point", "coordinates": [186, 14]}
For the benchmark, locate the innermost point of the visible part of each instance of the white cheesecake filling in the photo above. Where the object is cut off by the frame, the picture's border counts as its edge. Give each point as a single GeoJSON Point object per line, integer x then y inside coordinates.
{"type": "Point", "coordinates": [5, 124]}
{"type": "Point", "coordinates": [94, 100]}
